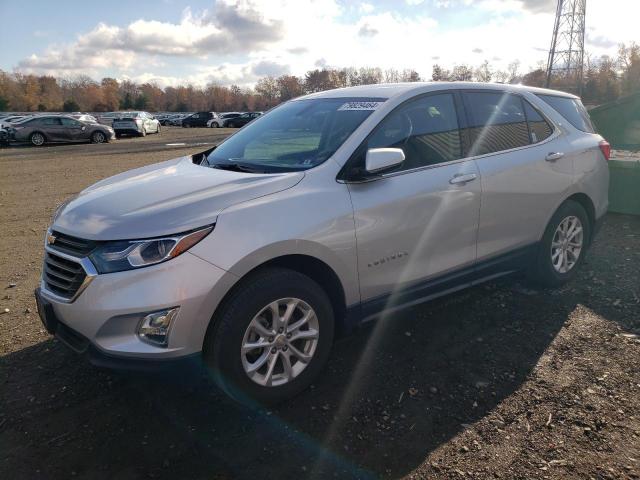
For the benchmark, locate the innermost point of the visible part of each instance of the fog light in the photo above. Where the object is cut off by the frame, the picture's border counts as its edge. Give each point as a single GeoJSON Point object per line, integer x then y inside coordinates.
{"type": "Point", "coordinates": [154, 328]}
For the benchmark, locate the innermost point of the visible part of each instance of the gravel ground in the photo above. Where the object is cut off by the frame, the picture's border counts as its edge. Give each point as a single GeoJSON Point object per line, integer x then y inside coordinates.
{"type": "Point", "coordinates": [499, 381]}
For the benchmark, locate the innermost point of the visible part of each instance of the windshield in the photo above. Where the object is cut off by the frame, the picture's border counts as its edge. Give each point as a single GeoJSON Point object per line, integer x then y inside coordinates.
{"type": "Point", "coordinates": [295, 136]}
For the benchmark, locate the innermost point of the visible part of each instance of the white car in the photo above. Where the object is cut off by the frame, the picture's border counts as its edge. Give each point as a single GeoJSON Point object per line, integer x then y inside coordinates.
{"type": "Point", "coordinates": [135, 123]}
{"type": "Point", "coordinates": [323, 213]}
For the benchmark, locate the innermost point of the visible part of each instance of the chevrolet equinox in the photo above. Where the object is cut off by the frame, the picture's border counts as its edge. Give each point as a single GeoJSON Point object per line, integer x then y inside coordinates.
{"type": "Point", "coordinates": [322, 213]}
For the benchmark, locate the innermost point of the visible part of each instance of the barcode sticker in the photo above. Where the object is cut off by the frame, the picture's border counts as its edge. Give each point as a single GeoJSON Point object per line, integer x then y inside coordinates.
{"type": "Point", "coordinates": [360, 106]}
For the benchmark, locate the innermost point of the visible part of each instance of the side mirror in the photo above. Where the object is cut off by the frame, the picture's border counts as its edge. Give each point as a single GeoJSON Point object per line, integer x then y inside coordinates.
{"type": "Point", "coordinates": [380, 159]}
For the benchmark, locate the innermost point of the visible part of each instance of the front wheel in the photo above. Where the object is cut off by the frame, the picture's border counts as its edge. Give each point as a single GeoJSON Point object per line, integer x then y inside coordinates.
{"type": "Point", "coordinates": [271, 337]}
{"type": "Point", "coordinates": [563, 246]}
{"type": "Point", "coordinates": [215, 125]}
{"type": "Point", "coordinates": [158, 129]}
{"type": "Point", "coordinates": [98, 137]}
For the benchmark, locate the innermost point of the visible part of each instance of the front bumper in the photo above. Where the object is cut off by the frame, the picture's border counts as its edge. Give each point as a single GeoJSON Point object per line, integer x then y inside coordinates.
{"type": "Point", "coordinates": [82, 346]}
{"type": "Point", "coordinates": [106, 315]}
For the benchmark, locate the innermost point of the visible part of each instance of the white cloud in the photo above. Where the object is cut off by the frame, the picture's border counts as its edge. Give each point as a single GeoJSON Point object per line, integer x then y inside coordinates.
{"type": "Point", "coordinates": [239, 41]}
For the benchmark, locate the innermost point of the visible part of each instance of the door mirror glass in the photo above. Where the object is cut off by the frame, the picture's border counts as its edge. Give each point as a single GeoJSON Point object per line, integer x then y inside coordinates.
{"type": "Point", "coordinates": [380, 159]}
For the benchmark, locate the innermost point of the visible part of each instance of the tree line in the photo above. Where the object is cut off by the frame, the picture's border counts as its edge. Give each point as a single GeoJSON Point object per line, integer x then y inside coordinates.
{"type": "Point", "coordinates": [605, 79]}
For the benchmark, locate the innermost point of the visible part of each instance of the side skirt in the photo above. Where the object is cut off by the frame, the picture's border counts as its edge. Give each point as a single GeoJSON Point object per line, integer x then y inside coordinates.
{"type": "Point", "coordinates": [433, 288]}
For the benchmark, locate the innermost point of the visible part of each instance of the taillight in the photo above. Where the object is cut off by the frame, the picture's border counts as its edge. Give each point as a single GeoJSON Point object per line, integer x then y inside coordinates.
{"type": "Point", "coordinates": [605, 148]}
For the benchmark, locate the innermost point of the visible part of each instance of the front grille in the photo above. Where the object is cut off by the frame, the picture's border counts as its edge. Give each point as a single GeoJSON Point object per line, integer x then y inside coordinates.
{"type": "Point", "coordinates": [61, 276]}
{"type": "Point", "coordinates": [77, 247]}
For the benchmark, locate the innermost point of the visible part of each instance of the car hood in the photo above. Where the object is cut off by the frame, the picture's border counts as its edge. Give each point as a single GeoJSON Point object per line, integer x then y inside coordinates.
{"type": "Point", "coordinates": [162, 199]}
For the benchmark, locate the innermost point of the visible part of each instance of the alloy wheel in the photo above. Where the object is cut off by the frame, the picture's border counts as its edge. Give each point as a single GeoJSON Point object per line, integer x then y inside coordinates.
{"type": "Point", "coordinates": [37, 139]}
{"type": "Point", "coordinates": [567, 244]}
{"type": "Point", "coordinates": [280, 342]}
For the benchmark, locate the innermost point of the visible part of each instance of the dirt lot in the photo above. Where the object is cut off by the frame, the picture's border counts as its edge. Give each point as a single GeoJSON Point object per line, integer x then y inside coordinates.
{"type": "Point", "coordinates": [500, 381]}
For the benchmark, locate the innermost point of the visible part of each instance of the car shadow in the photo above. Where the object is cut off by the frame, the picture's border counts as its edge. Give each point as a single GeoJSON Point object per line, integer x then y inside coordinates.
{"type": "Point", "coordinates": [391, 393]}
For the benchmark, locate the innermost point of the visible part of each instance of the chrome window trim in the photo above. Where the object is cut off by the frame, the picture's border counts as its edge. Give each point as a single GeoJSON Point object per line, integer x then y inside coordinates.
{"type": "Point", "coordinates": [556, 133]}
{"type": "Point", "coordinates": [89, 270]}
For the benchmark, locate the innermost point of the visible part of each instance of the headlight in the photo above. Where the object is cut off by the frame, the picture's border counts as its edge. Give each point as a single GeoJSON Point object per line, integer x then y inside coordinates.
{"type": "Point", "coordinates": [123, 255]}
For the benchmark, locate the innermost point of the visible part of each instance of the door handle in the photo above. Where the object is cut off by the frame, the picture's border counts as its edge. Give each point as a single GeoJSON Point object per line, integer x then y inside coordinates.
{"type": "Point", "coordinates": [553, 156]}
{"type": "Point", "coordinates": [462, 178]}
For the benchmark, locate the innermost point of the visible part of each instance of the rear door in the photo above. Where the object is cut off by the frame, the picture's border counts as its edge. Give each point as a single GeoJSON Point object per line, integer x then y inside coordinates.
{"type": "Point", "coordinates": [53, 129]}
{"type": "Point", "coordinates": [420, 221]}
{"type": "Point", "coordinates": [522, 165]}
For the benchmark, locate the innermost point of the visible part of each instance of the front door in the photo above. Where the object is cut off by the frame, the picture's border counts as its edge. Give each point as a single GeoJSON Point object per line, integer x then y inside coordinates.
{"type": "Point", "coordinates": [419, 222]}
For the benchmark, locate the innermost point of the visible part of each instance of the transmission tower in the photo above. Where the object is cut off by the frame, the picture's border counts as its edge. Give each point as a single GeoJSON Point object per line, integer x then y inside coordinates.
{"type": "Point", "coordinates": [566, 54]}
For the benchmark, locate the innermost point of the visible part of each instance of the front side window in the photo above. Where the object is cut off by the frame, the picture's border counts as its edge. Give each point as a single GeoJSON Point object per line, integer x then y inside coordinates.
{"type": "Point", "coordinates": [496, 122]}
{"type": "Point", "coordinates": [68, 122]}
{"type": "Point", "coordinates": [572, 110]}
{"type": "Point", "coordinates": [51, 121]}
{"type": "Point", "coordinates": [426, 130]}
{"type": "Point", "coordinates": [297, 135]}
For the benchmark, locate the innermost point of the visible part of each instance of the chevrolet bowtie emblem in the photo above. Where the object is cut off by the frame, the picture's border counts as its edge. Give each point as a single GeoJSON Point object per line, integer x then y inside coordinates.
{"type": "Point", "coordinates": [51, 239]}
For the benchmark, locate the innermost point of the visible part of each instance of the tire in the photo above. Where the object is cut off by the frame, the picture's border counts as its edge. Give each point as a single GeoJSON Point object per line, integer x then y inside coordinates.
{"type": "Point", "coordinates": [143, 133]}
{"type": "Point", "coordinates": [159, 128]}
{"type": "Point", "coordinates": [215, 125]}
{"type": "Point", "coordinates": [232, 328]}
{"type": "Point", "coordinates": [98, 137]}
{"type": "Point", "coordinates": [552, 267]}
{"type": "Point", "coordinates": [37, 139]}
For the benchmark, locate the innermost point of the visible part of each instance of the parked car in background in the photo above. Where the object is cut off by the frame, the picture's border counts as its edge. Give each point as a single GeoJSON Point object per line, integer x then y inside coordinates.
{"type": "Point", "coordinates": [222, 119]}
{"type": "Point", "coordinates": [176, 121]}
{"type": "Point", "coordinates": [4, 137]}
{"type": "Point", "coordinates": [107, 117]}
{"type": "Point", "coordinates": [11, 119]}
{"type": "Point", "coordinates": [84, 117]}
{"type": "Point", "coordinates": [426, 188]}
{"type": "Point", "coordinates": [242, 120]}
{"type": "Point", "coordinates": [42, 129]}
{"type": "Point", "coordinates": [198, 119]}
{"type": "Point", "coordinates": [135, 123]}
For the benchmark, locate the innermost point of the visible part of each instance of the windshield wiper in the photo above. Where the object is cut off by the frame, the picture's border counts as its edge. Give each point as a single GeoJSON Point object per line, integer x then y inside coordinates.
{"type": "Point", "coordinates": [237, 167]}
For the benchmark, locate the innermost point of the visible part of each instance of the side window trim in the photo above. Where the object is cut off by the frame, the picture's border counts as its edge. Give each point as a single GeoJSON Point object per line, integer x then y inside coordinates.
{"type": "Point", "coordinates": [343, 173]}
{"type": "Point", "coordinates": [544, 117]}
{"type": "Point", "coordinates": [552, 124]}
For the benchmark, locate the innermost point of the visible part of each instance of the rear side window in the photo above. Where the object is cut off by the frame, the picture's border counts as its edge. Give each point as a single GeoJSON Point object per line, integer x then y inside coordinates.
{"type": "Point", "coordinates": [539, 128]}
{"type": "Point", "coordinates": [426, 130]}
{"type": "Point", "coordinates": [572, 110]}
{"type": "Point", "coordinates": [497, 122]}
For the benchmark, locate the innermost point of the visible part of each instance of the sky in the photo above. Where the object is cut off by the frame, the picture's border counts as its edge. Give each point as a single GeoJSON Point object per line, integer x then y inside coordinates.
{"type": "Point", "coordinates": [238, 41]}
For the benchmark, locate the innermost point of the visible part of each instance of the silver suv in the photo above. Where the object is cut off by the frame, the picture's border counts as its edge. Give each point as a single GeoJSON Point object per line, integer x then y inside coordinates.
{"type": "Point", "coordinates": [319, 215]}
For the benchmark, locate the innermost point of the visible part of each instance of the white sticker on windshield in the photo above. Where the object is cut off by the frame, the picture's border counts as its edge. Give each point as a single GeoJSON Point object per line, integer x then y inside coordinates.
{"type": "Point", "coordinates": [360, 106]}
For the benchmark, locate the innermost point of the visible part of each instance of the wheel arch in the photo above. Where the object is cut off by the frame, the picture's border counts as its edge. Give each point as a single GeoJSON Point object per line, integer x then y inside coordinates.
{"type": "Point", "coordinates": [308, 265]}
{"type": "Point", "coordinates": [585, 201]}
{"type": "Point", "coordinates": [46, 139]}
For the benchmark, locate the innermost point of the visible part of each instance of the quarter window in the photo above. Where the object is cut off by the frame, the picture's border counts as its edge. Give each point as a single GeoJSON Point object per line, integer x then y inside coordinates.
{"type": "Point", "coordinates": [539, 128]}
{"type": "Point", "coordinates": [426, 130]}
{"type": "Point", "coordinates": [497, 122]}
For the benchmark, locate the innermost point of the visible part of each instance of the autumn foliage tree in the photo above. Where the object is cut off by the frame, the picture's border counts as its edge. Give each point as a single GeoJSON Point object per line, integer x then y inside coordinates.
{"type": "Point", "coordinates": [605, 79]}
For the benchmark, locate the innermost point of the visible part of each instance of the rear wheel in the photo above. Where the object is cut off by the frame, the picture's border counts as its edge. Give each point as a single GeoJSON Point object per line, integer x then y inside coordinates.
{"type": "Point", "coordinates": [563, 246]}
{"type": "Point", "coordinates": [215, 125]}
{"type": "Point", "coordinates": [37, 139]}
{"type": "Point", "coordinates": [98, 137]}
{"type": "Point", "coordinates": [271, 338]}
